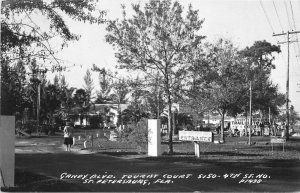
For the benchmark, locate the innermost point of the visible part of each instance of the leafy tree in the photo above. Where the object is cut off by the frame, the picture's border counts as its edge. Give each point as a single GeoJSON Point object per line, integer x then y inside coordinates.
{"type": "Point", "coordinates": [63, 83]}
{"type": "Point", "coordinates": [56, 80]}
{"type": "Point", "coordinates": [67, 102]}
{"type": "Point", "coordinates": [50, 102]}
{"type": "Point", "coordinates": [89, 84]}
{"type": "Point", "coordinates": [259, 61]}
{"type": "Point", "coordinates": [23, 39]}
{"type": "Point", "coordinates": [137, 108]}
{"type": "Point", "coordinates": [33, 86]}
{"type": "Point", "coordinates": [154, 99]}
{"type": "Point", "coordinates": [226, 87]}
{"type": "Point", "coordinates": [105, 82]}
{"type": "Point", "coordinates": [137, 134]}
{"type": "Point", "coordinates": [13, 91]}
{"type": "Point", "coordinates": [197, 99]}
{"type": "Point", "coordinates": [294, 116]}
{"type": "Point", "coordinates": [260, 56]}
{"type": "Point", "coordinates": [119, 96]}
{"type": "Point", "coordinates": [21, 35]}
{"type": "Point", "coordinates": [121, 89]}
{"type": "Point", "coordinates": [160, 40]}
{"type": "Point", "coordinates": [81, 103]}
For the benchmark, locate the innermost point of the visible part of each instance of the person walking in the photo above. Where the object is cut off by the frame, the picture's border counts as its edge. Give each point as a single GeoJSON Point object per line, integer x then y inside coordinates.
{"type": "Point", "coordinates": [68, 136]}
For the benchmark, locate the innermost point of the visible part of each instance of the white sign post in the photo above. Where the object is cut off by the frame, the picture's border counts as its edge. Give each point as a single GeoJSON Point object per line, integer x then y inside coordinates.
{"type": "Point", "coordinates": [196, 136]}
{"type": "Point", "coordinates": [278, 140]}
{"type": "Point", "coordinates": [7, 151]}
{"type": "Point", "coordinates": [154, 139]}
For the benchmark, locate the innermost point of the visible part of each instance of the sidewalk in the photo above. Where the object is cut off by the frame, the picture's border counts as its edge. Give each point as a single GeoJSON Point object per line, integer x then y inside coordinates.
{"type": "Point", "coordinates": [44, 144]}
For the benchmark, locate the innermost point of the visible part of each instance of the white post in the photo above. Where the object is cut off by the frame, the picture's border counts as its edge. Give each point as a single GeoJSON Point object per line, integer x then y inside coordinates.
{"type": "Point", "coordinates": [197, 149]}
{"type": "Point", "coordinates": [74, 140]}
{"type": "Point", "coordinates": [7, 151]}
{"type": "Point", "coordinates": [154, 139]}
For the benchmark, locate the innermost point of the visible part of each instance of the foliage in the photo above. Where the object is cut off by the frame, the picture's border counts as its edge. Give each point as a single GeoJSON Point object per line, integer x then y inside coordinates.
{"type": "Point", "coordinates": [67, 102]}
{"type": "Point", "coordinates": [13, 89]}
{"type": "Point", "coordinates": [95, 121]}
{"type": "Point", "coordinates": [24, 41]}
{"type": "Point", "coordinates": [105, 82]}
{"type": "Point", "coordinates": [136, 133]}
{"type": "Point", "coordinates": [258, 63]}
{"type": "Point", "coordinates": [63, 84]}
{"type": "Point", "coordinates": [31, 126]}
{"type": "Point", "coordinates": [160, 40]}
{"type": "Point", "coordinates": [81, 104]}
{"type": "Point", "coordinates": [89, 85]}
{"type": "Point", "coordinates": [226, 88]}
{"type": "Point", "coordinates": [132, 115]}
{"type": "Point", "coordinates": [50, 102]}
{"type": "Point", "coordinates": [260, 57]}
{"type": "Point", "coordinates": [20, 33]}
{"type": "Point", "coordinates": [184, 119]}
{"type": "Point", "coordinates": [293, 115]}
{"type": "Point", "coordinates": [155, 103]}
{"type": "Point", "coordinates": [56, 80]}
{"type": "Point", "coordinates": [121, 89]}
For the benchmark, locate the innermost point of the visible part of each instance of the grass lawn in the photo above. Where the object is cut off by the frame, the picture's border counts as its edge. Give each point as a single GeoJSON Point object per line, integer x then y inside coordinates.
{"type": "Point", "coordinates": [233, 148]}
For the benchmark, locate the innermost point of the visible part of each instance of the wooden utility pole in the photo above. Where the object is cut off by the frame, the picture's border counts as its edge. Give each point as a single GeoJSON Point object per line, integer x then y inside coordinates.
{"type": "Point", "coordinates": [270, 115]}
{"type": "Point", "coordinates": [288, 78]}
{"type": "Point", "coordinates": [38, 105]}
{"type": "Point", "coordinates": [250, 112]}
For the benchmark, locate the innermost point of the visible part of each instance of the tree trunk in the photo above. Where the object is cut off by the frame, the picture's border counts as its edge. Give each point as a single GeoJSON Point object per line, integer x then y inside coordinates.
{"type": "Point", "coordinates": [174, 123]}
{"type": "Point", "coordinates": [170, 125]}
{"type": "Point", "coordinates": [222, 139]}
{"type": "Point", "coordinates": [246, 122]}
{"type": "Point", "coordinates": [168, 93]}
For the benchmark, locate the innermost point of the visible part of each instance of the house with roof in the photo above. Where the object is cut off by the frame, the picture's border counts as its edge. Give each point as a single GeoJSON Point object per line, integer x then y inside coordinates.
{"type": "Point", "coordinates": [97, 111]}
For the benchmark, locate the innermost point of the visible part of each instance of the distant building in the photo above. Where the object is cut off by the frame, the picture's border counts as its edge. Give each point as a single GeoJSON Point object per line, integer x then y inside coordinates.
{"type": "Point", "coordinates": [110, 110]}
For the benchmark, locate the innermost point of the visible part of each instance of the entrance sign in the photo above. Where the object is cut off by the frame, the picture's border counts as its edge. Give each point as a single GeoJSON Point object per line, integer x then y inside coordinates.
{"type": "Point", "coordinates": [202, 136]}
{"type": "Point", "coordinates": [196, 136]}
{"type": "Point", "coordinates": [278, 140]}
{"type": "Point", "coordinates": [7, 151]}
{"type": "Point", "coordinates": [154, 139]}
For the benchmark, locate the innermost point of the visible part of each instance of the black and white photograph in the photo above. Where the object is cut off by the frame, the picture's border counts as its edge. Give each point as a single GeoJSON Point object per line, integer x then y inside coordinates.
{"type": "Point", "coordinates": [150, 96]}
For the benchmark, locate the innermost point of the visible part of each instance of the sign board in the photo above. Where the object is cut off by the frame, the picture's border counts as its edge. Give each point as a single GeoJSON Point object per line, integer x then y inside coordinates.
{"type": "Point", "coordinates": [203, 136]}
{"type": "Point", "coordinates": [278, 140]}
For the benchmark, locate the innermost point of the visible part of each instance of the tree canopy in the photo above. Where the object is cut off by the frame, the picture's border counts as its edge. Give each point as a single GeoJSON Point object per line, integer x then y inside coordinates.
{"type": "Point", "coordinates": [22, 37]}
{"type": "Point", "coordinates": [158, 39]}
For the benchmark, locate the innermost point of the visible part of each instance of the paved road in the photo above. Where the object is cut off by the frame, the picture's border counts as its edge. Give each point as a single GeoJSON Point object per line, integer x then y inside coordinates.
{"type": "Point", "coordinates": [111, 173]}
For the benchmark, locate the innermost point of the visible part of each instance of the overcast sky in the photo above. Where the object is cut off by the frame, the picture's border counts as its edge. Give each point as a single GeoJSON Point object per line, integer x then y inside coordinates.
{"type": "Point", "coordinates": [242, 21]}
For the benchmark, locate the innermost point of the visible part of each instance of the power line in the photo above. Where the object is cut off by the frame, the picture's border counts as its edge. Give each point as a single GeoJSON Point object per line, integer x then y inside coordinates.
{"type": "Point", "coordinates": [294, 27]}
{"type": "Point", "coordinates": [262, 6]}
{"type": "Point", "coordinates": [293, 15]}
{"type": "Point", "coordinates": [288, 79]}
{"type": "Point", "coordinates": [277, 15]}
{"type": "Point", "coordinates": [287, 14]}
